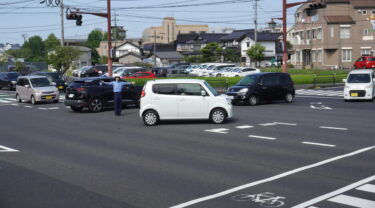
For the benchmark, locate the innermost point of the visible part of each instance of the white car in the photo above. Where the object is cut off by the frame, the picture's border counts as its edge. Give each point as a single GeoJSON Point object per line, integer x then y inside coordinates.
{"type": "Point", "coordinates": [171, 99]}
{"type": "Point", "coordinates": [199, 70]}
{"type": "Point", "coordinates": [360, 85]}
{"type": "Point", "coordinates": [36, 89]}
{"type": "Point", "coordinates": [242, 72]}
{"type": "Point", "coordinates": [217, 67]}
{"type": "Point", "coordinates": [220, 72]}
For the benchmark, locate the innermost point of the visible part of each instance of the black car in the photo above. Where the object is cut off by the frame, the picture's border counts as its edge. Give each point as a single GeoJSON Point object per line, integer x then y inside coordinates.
{"type": "Point", "coordinates": [55, 78]}
{"type": "Point", "coordinates": [8, 80]}
{"type": "Point", "coordinates": [90, 93]}
{"type": "Point", "coordinates": [266, 86]}
{"type": "Point", "coordinates": [94, 71]}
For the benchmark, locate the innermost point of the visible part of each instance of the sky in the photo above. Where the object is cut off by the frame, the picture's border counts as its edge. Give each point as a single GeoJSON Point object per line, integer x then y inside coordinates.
{"type": "Point", "coordinates": [26, 18]}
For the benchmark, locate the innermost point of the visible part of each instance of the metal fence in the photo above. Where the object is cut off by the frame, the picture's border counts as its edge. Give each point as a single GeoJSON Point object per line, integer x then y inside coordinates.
{"type": "Point", "coordinates": [328, 79]}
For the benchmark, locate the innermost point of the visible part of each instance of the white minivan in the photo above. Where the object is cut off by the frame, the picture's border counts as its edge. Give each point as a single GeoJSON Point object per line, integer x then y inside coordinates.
{"type": "Point", "coordinates": [36, 89]}
{"type": "Point", "coordinates": [359, 85]}
{"type": "Point", "coordinates": [172, 99]}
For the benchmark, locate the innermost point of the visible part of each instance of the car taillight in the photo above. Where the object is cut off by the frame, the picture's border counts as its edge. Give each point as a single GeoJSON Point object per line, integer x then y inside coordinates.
{"type": "Point", "coordinates": [80, 89]}
{"type": "Point", "coordinates": [143, 93]}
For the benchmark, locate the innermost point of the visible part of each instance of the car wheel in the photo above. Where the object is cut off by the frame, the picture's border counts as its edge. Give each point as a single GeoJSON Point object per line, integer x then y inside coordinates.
{"type": "Point", "coordinates": [218, 116]}
{"type": "Point", "coordinates": [253, 100]}
{"type": "Point", "coordinates": [150, 118]}
{"type": "Point", "coordinates": [218, 75]}
{"type": "Point", "coordinates": [236, 76]}
{"type": "Point", "coordinates": [18, 99]}
{"type": "Point", "coordinates": [56, 101]}
{"type": "Point", "coordinates": [33, 101]}
{"type": "Point", "coordinates": [96, 105]}
{"type": "Point", "coordinates": [76, 109]}
{"type": "Point", "coordinates": [10, 86]}
{"type": "Point", "coordinates": [288, 97]}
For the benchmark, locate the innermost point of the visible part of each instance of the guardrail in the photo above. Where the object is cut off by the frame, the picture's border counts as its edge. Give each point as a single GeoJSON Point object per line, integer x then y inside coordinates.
{"type": "Point", "coordinates": [328, 78]}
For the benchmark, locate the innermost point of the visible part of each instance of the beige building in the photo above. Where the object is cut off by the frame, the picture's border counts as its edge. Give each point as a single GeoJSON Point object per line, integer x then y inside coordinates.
{"type": "Point", "coordinates": [332, 34]}
{"type": "Point", "coordinates": [169, 30]}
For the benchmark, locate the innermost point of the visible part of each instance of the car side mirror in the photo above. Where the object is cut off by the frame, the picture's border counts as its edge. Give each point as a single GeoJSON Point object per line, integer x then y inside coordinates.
{"type": "Point", "coordinates": [27, 86]}
{"type": "Point", "coordinates": [344, 80]}
{"type": "Point", "coordinates": [203, 93]}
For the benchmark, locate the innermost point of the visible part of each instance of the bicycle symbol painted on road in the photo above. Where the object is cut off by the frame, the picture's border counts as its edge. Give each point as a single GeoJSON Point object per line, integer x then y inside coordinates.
{"type": "Point", "coordinates": [265, 199]}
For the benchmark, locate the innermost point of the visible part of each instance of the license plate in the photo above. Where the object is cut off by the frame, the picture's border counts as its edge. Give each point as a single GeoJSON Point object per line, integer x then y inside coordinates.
{"type": "Point", "coordinates": [61, 87]}
{"type": "Point", "coordinates": [71, 95]}
{"type": "Point", "coordinates": [49, 97]}
{"type": "Point", "coordinates": [354, 94]}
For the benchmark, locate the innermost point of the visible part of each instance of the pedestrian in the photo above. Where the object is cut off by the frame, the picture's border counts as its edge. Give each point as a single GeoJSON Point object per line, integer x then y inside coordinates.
{"type": "Point", "coordinates": [117, 91]}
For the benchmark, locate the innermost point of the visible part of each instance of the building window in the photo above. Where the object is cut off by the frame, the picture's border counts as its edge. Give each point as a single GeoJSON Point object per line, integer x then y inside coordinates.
{"type": "Point", "coordinates": [319, 33]}
{"type": "Point", "coordinates": [373, 12]}
{"type": "Point", "coordinates": [364, 12]}
{"type": "Point", "coordinates": [366, 51]}
{"type": "Point", "coordinates": [365, 32]}
{"type": "Point", "coordinates": [319, 55]}
{"type": "Point", "coordinates": [313, 33]}
{"type": "Point", "coordinates": [344, 32]}
{"type": "Point", "coordinates": [248, 44]}
{"type": "Point", "coordinates": [346, 55]}
{"type": "Point", "coordinates": [332, 32]}
{"type": "Point", "coordinates": [313, 56]}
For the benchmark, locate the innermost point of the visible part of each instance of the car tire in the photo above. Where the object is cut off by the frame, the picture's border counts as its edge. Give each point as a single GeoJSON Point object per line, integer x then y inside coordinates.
{"type": "Point", "coordinates": [218, 75]}
{"type": "Point", "coordinates": [218, 116]}
{"type": "Point", "coordinates": [18, 99]}
{"type": "Point", "coordinates": [288, 97]}
{"type": "Point", "coordinates": [10, 86]}
{"type": "Point", "coordinates": [96, 105]}
{"type": "Point", "coordinates": [346, 100]}
{"type": "Point", "coordinates": [150, 118]}
{"type": "Point", "coordinates": [56, 101]}
{"type": "Point", "coordinates": [33, 101]}
{"type": "Point", "coordinates": [76, 109]}
{"type": "Point", "coordinates": [253, 100]}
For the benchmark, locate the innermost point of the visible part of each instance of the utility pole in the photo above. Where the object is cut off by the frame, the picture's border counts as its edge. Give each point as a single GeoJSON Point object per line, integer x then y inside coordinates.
{"type": "Point", "coordinates": [62, 23]}
{"type": "Point", "coordinates": [285, 48]}
{"type": "Point", "coordinates": [256, 21]}
{"type": "Point", "coordinates": [109, 38]}
{"type": "Point", "coordinates": [154, 48]}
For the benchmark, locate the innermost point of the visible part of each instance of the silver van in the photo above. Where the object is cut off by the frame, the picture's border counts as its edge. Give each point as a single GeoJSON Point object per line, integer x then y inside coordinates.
{"type": "Point", "coordinates": [36, 89]}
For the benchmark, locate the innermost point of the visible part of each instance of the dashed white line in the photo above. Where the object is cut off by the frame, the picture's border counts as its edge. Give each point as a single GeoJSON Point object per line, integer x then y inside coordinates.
{"type": "Point", "coordinates": [28, 106]}
{"type": "Point", "coordinates": [333, 128]}
{"type": "Point", "coordinates": [319, 144]}
{"type": "Point", "coordinates": [7, 149]}
{"type": "Point", "coordinates": [287, 124]}
{"type": "Point", "coordinates": [262, 137]}
{"type": "Point", "coordinates": [276, 177]}
{"type": "Point", "coordinates": [268, 124]}
{"type": "Point", "coordinates": [53, 108]}
{"type": "Point", "coordinates": [220, 130]}
{"type": "Point", "coordinates": [244, 127]}
{"type": "Point", "coordinates": [43, 108]}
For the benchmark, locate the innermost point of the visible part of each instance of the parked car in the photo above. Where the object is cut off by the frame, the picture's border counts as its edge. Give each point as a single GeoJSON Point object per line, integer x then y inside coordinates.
{"type": "Point", "coordinates": [171, 99]}
{"type": "Point", "coordinates": [220, 73]}
{"type": "Point", "coordinates": [365, 62]}
{"type": "Point", "coordinates": [266, 86]}
{"type": "Point", "coordinates": [241, 72]}
{"type": "Point", "coordinates": [55, 78]}
{"type": "Point", "coordinates": [36, 89]}
{"type": "Point", "coordinates": [141, 75]}
{"type": "Point", "coordinates": [125, 71]}
{"type": "Point", "coordinates": [359, 85]}
{"type": "Point", "coordinates": [89, 93]}
{"type": "Point", "coordinates": [168, 72]}
{"type": "Point", "coordinates": [179, 65]}
{"type": "Point", "coordinates": [229, 71]}
{"type": "Point", "coordinates": [214, 68]}
{"type": "Point", "coordinates": [77, 72]}
{"type": "Point", "coordinates": [94, 71]}
{"type": "Point", "coordinates": [8, 80]}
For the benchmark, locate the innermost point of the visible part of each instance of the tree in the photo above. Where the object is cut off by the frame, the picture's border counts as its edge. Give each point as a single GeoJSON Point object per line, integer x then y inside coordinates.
{"type": "Point", "coordinates": [51, 42]}
{"type": "Point", "coordinates": [94, 38]}
{"type": "Point", "coordinates": [95, 58]}
{"type": "Point", "coordinates": [256, 53]}
{"type": "Point", "coordinates": [35, 44]}
{"type": "Point", "coordinates": [231, 55]}
{"type": "Point", "coordinates": [103, 60]}
{"type": "Point", "coordinates": [20, 53]}
{"type": "Point", "coordinates": [212, 52]}
{"type": "Point", "coordinates": [63, 57]}
{"type": "Point", "coordinates": [19, 66]}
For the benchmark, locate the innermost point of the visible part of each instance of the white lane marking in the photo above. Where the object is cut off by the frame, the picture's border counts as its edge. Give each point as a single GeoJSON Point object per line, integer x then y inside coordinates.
{"type": "Point", "coordinates": [28, 106]}
{"type": "Point", "coordinates": [319, 144]}
{"type": "Point", "coordinates": [281, 175]}
{"type": "Point", "coordinates": [313, 207]}
{"type": "Point", "coordinates": [268, 124]}
{"type": "Point", "coordinates": [353, 201]}
{"type": "Point", "coordinates": [368, 188]}
{"type": "Point", "coordinates": [220, 130]}
{"type": "Point", "coordinates": [42, 108]}
{"type": "Point", "coordinates": [5, 101]}
{"type": "Point", "coordinates": [333, 128]}
{"type": "Point", "coordinates": [67, 107]}
{"type": "Point", "coordinates": [287, 124]}
{"type": "Point", "coordinates": [319, 106]}
{"type": "Point", "coordinates": [244, 127]}
{"type": "Point", "coordinates": [337, 192]}
{"type": "Point", "coordinates": [7, 149]}
{"type": "Point", "coordinates": [53, 108]}
{"type": "Point", "coordinates": [262, 137]}
{"type": "Point", "coordinates": [14, 104]}
{"type": "Point", "coordinates": [333, 98]}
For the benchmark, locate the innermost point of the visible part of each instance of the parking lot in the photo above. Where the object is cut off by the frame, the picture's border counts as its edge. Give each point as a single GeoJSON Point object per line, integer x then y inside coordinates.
{"type": "Point", "coordinates": [316, 152]}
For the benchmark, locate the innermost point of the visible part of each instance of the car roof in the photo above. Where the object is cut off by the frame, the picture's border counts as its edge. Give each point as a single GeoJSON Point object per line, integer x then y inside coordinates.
{"type": "Point", "coordinates": [176, 81]}
{"type": "Point", "coordinates": [361, 71]}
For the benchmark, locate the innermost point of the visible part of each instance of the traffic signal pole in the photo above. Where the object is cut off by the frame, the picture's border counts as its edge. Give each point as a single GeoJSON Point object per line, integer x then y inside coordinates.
{"type": "Point", "coordinates": [109, 38]}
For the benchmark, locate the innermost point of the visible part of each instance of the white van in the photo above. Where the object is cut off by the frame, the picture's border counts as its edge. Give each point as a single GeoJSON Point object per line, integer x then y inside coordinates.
{"type": "Point", "coordinates": [172, 99]}
{"type": "Point", "coordinates": [360, 85]}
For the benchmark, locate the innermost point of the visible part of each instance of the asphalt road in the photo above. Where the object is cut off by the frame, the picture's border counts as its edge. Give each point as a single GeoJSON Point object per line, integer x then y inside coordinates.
{"type": "Point", "coordinates": [317, 152]}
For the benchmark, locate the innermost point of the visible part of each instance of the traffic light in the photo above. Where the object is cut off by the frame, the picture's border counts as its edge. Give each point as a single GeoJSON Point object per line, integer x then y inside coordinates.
{"type": "Point", "coordinates": [79, 20]}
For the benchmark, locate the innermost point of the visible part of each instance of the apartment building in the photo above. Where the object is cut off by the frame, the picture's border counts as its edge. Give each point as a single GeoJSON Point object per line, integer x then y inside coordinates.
{"type": "Point", "coordinates": [168, 31]}
{"type": "Point", "coordinates": [332, 34]}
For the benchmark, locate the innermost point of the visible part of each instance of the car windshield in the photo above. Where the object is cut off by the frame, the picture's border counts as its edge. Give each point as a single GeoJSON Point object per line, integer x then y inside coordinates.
{"type": "Point", "coordinates": [52, 77]}
{"type": "Point", "coordinates": [212, 90]}
{"type": "Point", "coordinates": [211, 67]}
{"type": "Point", "coordinates": [371, 59]}
{"type": "Point", "coordinates": [40, 82]}
{"type": "Point", "coordinates": [359, 78]}
{"type": "Point", "coordinates": [13, 76]}
{"type": "Point", "coordinates": [248, 80]}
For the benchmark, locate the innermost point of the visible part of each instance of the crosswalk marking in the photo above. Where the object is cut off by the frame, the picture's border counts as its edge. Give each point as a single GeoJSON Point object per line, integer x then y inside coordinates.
{"type": "Point", "coordinates": [353, 201]}
{"type": "Point", "coordinates": [330, 93]}
{"type": "Point", "coordinates": [220, 130]}
{"type": "Point", "coordinates": [7, 149]}
{"type": "Point", "coordinates": [368, 188]}
{"type": "Point", "coordinates": [262, 137]}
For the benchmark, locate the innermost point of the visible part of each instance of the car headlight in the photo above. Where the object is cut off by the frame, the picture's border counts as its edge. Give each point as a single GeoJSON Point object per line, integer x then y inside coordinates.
{"type": "Point", "coordinates": [243, 91]}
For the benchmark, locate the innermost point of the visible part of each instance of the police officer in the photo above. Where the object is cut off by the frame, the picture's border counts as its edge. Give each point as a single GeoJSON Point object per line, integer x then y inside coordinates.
{"type": "Point", "coordinates": [117, 90]}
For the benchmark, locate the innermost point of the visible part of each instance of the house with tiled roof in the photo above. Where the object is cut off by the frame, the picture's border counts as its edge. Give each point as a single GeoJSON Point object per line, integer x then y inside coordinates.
{"type": "Point", "coordinates": [191, 44]}
{"type": "Point", "coordinates": [332, 34]}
